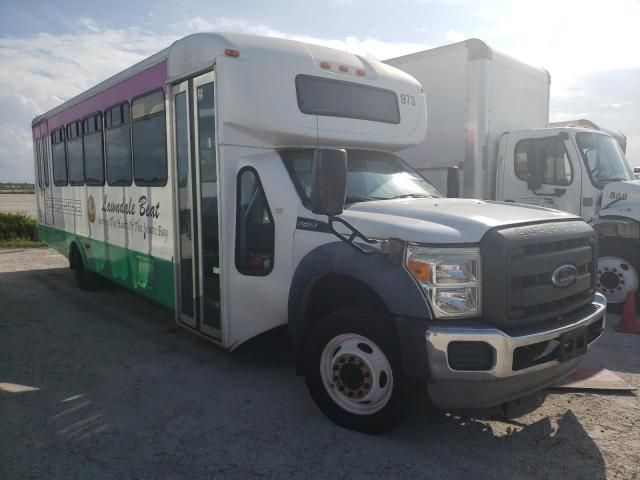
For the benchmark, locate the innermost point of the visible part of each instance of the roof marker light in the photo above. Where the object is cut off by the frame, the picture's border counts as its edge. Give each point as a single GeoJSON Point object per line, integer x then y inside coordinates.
{"type": "Point", "coordinates": [361, 71]}
{"type": "Point", "coordinates": [325, 65]}
{"type": "Point", "coordinates": [344, 68]}
{"type": "Point", "coordinates": [230, 52]}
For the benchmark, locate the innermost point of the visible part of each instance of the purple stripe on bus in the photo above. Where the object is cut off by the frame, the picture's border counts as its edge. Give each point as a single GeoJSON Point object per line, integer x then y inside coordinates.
{"type": "Point", "coordinates": [150, 79]}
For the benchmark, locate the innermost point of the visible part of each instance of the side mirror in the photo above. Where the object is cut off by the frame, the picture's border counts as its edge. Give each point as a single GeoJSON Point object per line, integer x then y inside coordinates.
{"type": "Point", "coordinates": [534, 181]}
{"type": "Point", "coordinates": [328, 181]}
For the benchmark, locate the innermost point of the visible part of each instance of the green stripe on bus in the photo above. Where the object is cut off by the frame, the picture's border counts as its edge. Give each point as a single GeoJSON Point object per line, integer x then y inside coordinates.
{"type": "Point", "coordinates": [142, 273]}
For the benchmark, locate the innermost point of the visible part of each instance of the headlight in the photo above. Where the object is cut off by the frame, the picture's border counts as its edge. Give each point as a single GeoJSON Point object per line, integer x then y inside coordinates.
{"type": "Point", "coordinates": [450, 277]}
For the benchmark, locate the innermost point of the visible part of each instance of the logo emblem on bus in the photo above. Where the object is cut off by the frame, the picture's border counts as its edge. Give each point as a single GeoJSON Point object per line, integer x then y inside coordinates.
{"type": "Point", "coordinates": [564, 276]}
{"type": "Point", "coordinates": [91, 209]}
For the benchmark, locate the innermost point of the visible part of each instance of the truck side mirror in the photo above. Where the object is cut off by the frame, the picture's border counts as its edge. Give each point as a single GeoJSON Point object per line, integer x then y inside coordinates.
{"type": "Point", "coordinates": [328, 181]}
{"type": "Point", "coordinates": [534, 180]}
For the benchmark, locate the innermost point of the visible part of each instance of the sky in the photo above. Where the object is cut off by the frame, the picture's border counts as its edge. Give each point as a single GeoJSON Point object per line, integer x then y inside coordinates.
{"type": "Point", "coordinates": [51, 51]}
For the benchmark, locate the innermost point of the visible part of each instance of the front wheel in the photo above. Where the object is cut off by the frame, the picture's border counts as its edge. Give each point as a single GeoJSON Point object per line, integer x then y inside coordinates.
{"type": "Point", "coordinates": [618, 271]}
{"type": "Point", "coordinates": [353, 370]}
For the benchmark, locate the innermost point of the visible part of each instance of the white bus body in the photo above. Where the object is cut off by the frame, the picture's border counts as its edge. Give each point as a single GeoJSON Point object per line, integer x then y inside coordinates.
{"type": "Point", "coordinates": [194, 178]}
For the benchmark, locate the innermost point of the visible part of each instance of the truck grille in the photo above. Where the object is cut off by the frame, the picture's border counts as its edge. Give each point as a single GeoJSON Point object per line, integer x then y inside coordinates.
{"type": "Point", "coordinates": [533, 295]}
{"type": "Point", "coordinates": [518, 266]}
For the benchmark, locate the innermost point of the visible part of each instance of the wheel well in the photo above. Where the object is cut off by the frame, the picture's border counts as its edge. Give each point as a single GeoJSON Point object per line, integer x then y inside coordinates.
{"type": "Point", "coordinates": [332, 292]}
{"type": "Point", "coordinates": [74, 256]}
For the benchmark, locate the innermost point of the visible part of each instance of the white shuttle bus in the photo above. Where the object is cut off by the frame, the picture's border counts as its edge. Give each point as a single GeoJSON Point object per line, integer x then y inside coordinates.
{"type": "Point", "coordinates": [250, 182]}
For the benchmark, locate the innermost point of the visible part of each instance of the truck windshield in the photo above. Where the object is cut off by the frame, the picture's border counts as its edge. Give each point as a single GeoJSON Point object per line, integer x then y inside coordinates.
{"type": "Point", "coordinates": [602, 156]}
{"type": "Point", "coordinates": [371, 175]}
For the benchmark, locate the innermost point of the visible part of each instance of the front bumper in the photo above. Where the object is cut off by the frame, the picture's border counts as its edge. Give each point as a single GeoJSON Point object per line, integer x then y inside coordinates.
{"type": "Point", "coordinates": [502, 382]}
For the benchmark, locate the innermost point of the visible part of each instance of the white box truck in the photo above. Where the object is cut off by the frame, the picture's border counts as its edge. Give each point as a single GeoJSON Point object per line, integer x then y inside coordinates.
{"type": "Point", "coordinates": [488, 137]}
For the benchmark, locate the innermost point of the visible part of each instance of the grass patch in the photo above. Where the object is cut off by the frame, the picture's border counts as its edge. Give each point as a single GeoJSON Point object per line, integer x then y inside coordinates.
{"type": "Point", "coordinates": [19, 231]}
{"type": "Point", "coordinates": [21, 243]}
{"type": "Point", "coordinates": [16, 192]}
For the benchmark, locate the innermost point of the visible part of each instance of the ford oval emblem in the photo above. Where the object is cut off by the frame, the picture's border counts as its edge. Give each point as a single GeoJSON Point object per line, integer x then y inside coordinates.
{"type": "Point", "coordinates": [564, 276]}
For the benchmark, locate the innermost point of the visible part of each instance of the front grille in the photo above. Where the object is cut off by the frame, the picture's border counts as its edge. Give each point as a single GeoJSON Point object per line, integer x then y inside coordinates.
{"type": "Point", "coordinates": [518, 264]}
{"type": "Point", "coordinates": [533, 295]}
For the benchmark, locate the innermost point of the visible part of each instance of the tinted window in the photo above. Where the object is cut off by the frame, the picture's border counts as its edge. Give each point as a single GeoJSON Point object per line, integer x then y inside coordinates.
{"type": "Point", "coordinates": [93, 158]}
{"type": "Point", "coordinates": [255, 233]}
{"type": "Point", "coordinates": [118, 145]}
{"type": "Point", "coordinates": [58, 158]}
{"type": "Point", "coordinates": [38, 155]}
{"type": "Point", "coordinates": [206, 132]}
{"type": "Point", "coordinates": [74, 154]}
{"type": "Point", "coordinates": [149, 139]}
{"type": "Point", "coordinates": [45, 161]}
{"type": "Point", "coordinates": [545, 156]}
{"type": "Point", "coordinates": [322, 96]}
{"type": "Point", "coordinates": [371, 175]}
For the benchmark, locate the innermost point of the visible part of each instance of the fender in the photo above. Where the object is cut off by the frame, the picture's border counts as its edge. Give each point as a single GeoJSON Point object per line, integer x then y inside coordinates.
{"type": "Point", "coordinates": [616, 226]}
{"type": "Point", "coordinates": [83, 255]}
{"type": "Point", "coordinates": [393, 284]}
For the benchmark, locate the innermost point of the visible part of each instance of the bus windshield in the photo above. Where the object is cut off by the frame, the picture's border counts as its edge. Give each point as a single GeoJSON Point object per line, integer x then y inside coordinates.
{"type": "Point", "coordinates": [602, 156]}
{"type": "Point", "coordinates": [371, 175]}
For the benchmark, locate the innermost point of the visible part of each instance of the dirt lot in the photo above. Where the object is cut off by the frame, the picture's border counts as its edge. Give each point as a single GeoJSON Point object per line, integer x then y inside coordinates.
{"type": "Point", "coordinates": [19, 203]}
{"type": "Point", "coordinates": [102, 385]}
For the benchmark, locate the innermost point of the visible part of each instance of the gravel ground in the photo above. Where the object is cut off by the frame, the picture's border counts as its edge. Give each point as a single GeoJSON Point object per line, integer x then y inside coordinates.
{"type": "Point", "coordinates": [18, 202]}
{"type": "Point", "coordinates": [102, 385]}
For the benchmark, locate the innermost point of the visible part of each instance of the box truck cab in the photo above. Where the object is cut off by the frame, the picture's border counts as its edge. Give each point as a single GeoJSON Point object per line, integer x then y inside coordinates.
{"type": "Point", "coordinates": [488, 138]}
{"type": "Point", "coordinates": [266, 191]}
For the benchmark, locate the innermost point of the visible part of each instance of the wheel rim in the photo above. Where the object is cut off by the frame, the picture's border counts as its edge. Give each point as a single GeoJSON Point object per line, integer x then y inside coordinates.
{"type": "Point", "coordinates": [616, 278]}
{"type": "Point", "coordinates": [356, 374]}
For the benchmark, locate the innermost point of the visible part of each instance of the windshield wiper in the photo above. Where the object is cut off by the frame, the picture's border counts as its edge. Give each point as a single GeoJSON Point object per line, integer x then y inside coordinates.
{"type": "Point", "coordinates": [413, 195]}
{"type": "Point", "coordinates": [617, 179]}
{"type": "Point", "coordinates": [363, 199]}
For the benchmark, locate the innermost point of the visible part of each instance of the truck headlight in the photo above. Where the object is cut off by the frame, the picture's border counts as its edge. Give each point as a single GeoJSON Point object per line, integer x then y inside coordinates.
{"type": "Point", "coordinates": [450, 278]}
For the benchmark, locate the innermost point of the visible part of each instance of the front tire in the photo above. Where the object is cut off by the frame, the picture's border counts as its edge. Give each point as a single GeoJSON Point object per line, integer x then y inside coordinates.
{"type": "Point", "coordinates": [353, 370]}
{"type": "Point", "coordinates": [618, 272]}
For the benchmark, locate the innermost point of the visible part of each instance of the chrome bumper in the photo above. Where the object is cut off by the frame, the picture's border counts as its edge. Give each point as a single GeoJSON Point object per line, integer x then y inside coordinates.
{"type": "Point", "coordinates": [504, 345]}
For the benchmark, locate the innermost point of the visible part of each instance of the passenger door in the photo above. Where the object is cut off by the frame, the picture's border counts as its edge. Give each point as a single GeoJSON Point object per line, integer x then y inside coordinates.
{"type": "Point", "coordinates": [537, 169]}
{"type": "Point", "coordinates": [196, 193]}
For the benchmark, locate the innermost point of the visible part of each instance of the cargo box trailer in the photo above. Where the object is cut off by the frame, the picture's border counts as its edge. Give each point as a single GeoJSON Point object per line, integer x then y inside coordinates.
{"type": "Point", "coordinates": [488, 137]}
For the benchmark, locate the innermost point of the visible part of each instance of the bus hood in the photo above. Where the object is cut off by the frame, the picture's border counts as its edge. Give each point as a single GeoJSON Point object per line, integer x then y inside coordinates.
{"type": "Point", "coordinates": [442, 220]}
{"type": "Point", "coordinates": [621, 199]}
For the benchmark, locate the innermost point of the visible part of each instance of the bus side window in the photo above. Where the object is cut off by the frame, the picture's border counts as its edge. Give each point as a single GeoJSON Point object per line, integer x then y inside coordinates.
{"type": "Point", "coordinates": [45, 161]}
{"type": "Point", "coordinates": [75, 157]}
{"type": "Point", "coordinates": [149, 139]}
{"type": "Point", "coordinates": [59, 158]}
{"type": "Point", "coordinates": [38, 162]}
{"type": "Point", "coordinates": [255, 232]}
{"type": "Point", "coordinates": [92, 144]}
{"type": "Point", "coordinates": [118, 145]}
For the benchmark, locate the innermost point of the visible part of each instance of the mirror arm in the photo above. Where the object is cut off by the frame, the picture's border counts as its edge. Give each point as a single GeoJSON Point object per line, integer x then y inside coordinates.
{"type": "Point", "coordinates": [355, 234]}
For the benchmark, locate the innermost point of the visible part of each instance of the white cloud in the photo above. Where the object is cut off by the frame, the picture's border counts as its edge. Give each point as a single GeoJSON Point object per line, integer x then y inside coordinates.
{"type": "Point", "coordinates": [454, 36]}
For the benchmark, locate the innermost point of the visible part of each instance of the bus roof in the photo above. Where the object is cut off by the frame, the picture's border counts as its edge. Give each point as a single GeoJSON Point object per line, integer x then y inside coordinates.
{"type": "Point", "coordinates": [195, 53]}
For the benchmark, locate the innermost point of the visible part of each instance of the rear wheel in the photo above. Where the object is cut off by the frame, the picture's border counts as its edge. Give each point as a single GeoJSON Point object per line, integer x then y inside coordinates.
{"type": "Point", "coordinates": [618, 272]}
{"type": "Point", "coordinates": [85, 279]}
{"type": "Point", "coordinates": [353, 370]}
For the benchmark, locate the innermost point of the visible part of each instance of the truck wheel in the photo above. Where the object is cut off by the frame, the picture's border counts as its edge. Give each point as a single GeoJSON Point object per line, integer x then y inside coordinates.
{"type": "Point", "coordinates": [618, 270]}
{"type": "Point", "coordinates": [85, 279]}
{"type": "Point", "coordinates": [354, 372]}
